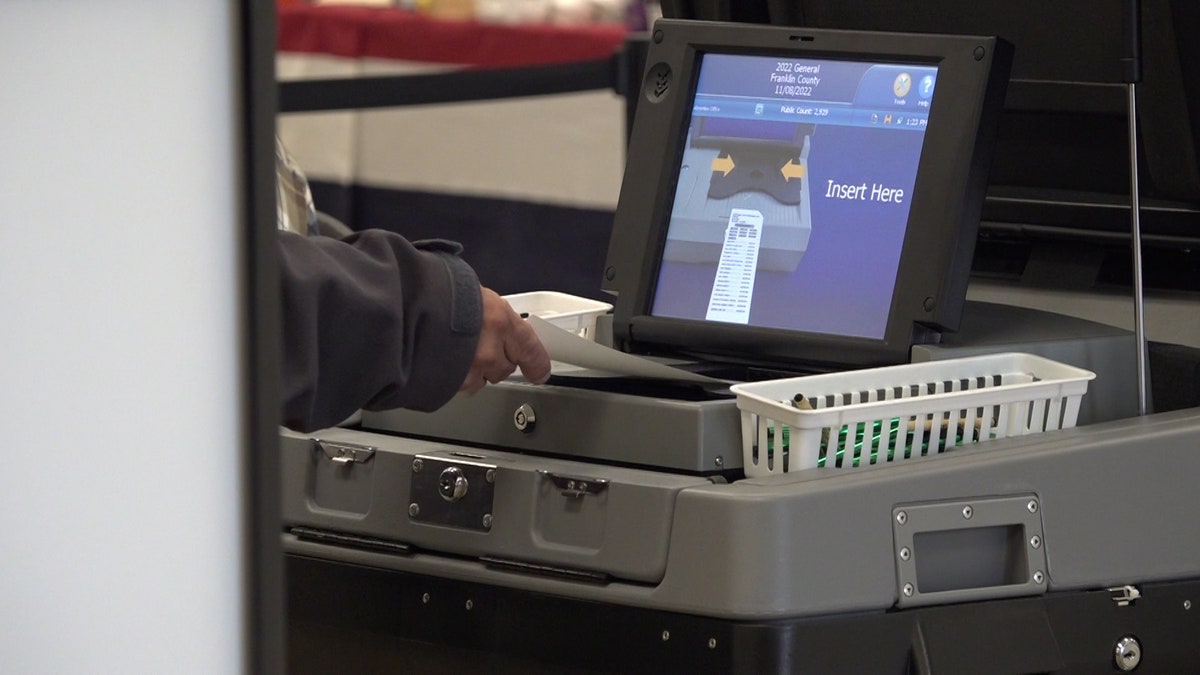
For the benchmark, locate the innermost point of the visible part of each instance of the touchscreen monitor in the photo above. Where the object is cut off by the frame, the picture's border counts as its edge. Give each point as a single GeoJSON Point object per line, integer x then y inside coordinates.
{"type": "Point", "coordinates": [794, 187]}
{"type": "Point", "coordinates": [802, 196]}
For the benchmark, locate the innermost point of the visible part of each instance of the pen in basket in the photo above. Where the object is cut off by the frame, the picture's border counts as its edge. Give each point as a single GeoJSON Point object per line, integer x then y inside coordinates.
{"type": "Point", "coordinates": [917, 436]}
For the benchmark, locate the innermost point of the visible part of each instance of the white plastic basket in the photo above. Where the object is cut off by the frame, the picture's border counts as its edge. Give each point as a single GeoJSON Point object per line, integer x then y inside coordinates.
{"type": "Point", "coordinates": [891, 414]}
{"type": "Point", "coordinates": [569, 312]}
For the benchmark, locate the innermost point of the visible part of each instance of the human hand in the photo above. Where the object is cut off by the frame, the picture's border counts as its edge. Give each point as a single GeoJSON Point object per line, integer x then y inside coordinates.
{"type": "Point", "coordinates": [506, 342]}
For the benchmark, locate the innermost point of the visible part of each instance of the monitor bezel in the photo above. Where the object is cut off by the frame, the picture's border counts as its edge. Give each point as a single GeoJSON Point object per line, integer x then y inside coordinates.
{"type": "Point", "coordinates": [948, 193]}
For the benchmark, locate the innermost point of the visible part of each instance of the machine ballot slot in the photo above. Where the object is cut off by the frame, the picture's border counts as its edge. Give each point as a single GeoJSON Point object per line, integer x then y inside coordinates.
{"type": "Point", "coordinates": [457, 493]}
{"type": "Point", "coordinates": [347, 487]}
{"type": "Point", "coordinates": [646, 388]}
{"type": "Point", "coordinates": [969, 550]}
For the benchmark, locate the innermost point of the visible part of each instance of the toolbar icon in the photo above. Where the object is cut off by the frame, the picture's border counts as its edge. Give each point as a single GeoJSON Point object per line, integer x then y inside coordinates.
{"type": "Point", "coordinates": [925, 89]}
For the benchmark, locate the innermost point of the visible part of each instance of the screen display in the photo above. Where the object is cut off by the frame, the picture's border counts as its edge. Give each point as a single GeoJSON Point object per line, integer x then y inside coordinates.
{"type": "Point", "coordinates": [793, 193]}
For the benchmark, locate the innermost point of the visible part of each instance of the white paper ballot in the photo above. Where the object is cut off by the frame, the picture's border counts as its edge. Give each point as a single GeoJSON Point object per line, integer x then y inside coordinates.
{"type": "Point", "coordinates": [733, 287]}
{"type": "Point", "coordinates": [568, 348]}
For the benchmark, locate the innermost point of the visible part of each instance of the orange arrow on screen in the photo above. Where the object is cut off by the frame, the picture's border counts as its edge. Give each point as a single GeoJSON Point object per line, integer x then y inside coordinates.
{"type": "Point", "coordinates": [792, 170]}
{"type": "Point", "coordinates": [723, 164]}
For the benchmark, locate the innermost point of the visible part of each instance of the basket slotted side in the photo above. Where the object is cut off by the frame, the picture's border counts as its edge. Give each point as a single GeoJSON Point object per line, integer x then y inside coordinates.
{"type": "Point", "coordinates": [896, 413]}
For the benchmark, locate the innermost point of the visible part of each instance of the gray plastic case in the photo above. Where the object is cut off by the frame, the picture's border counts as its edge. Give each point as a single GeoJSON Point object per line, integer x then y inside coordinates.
{"type": "Point", "coordinates": [1115, 503]}
{"type": "Point", "coordinates": [584, 521]}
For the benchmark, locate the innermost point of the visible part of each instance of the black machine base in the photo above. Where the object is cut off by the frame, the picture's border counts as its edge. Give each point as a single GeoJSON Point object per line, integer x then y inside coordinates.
{"type": "Point", "coordinates": [349, 618]}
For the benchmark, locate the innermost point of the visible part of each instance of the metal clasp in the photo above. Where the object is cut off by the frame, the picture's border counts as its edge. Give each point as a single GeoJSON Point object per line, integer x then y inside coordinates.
{"type": "Point", "coordinates": [576, 486]}
{"type": "Point", "coordinates": [1124, 595]}
{"type": "Point", "coordinates": [345, 453]}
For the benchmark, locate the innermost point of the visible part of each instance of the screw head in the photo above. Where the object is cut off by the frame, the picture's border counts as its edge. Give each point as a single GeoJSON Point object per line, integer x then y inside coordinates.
{"type": "Point", "coordinates": [414, 509]}
{"type": "Point", "coordinates": [490, 476]}
{"type": "Point", "coordinates": [905, 554]}
{"type": "Point", "coordinates": [487, 520]}
{"type": "Point", "coordinates": [1187, 604]}
{"type": "Point", "coordinates": [1035, 541]}
{"type": "Point", "coordinates": [424, 598]}
{"type": "Point", "coordinates": [968, 512]}
{"type": "Point", "coordinates": [712, 643]}
{"type": "Point", "coordinates": [417, 465]}
{"type": "Point", "coordinates": [470, 605]}
{"type": "Point", "coordinates": [1038, 577]}
{"type": "Point", "coordinates": [1032, 506]}
{"type": "Point", "coordinates": [908, 590]}
{"type": "Point", "coordinates": [666, 635]}
{"type": "Point", "coordinates": [719, 461]}
{"type": "Point", "coordinates": [901, 517]}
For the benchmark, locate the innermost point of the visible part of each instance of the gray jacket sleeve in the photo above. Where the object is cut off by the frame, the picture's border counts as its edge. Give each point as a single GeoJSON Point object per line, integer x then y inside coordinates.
{"type": "Point", "coordinates": [373, 321]}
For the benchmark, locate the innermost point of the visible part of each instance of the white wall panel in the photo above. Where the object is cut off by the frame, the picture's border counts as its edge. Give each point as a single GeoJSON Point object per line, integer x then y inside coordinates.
{"type": "Point", "coordinates": [120, 504]}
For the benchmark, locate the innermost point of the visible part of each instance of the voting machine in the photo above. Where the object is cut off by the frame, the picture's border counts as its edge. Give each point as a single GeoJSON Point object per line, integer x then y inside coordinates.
{"type": "Point", "coordinates": [836, 465]}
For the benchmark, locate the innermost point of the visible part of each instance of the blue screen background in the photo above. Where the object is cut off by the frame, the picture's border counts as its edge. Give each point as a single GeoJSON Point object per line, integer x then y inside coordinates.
{"type": "Point", "coordinates": [845, 281]}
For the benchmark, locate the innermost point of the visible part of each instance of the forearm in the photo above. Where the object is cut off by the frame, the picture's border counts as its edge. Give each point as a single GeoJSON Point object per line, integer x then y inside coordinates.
{"type": "Point", "coordinates": [372, 322]}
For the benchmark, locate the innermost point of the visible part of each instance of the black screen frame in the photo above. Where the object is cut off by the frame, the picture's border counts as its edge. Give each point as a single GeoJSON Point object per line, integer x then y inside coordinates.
{"type": "Point", "coordinates": [948, 194]}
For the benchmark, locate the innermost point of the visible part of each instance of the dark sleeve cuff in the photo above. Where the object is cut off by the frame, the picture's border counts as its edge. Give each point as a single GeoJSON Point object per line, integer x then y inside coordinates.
{"type": "Point", "coordinates": [467, 302]}
{"type": "Point", "coordinates": [446, 334]}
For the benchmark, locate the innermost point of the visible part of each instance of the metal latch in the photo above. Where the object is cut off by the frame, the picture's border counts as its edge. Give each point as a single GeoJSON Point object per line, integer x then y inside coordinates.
{"type": "Point", "coordinates": [1124, 595]}
{"type": "Point", "coordinates": [576, 486]}
{"type": "Point", "coordinates": [345, 453]}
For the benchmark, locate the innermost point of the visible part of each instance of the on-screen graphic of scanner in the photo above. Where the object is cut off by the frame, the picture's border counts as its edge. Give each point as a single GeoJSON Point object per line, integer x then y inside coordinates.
{"type": "Point", "coordinates": [756, 165]}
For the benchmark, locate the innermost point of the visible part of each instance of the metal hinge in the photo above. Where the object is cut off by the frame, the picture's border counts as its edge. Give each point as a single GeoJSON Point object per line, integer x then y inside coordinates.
{"type": "Point", "coordinates": [542, 569]}
{"type": "Point", "coordinates": [350, 540]}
